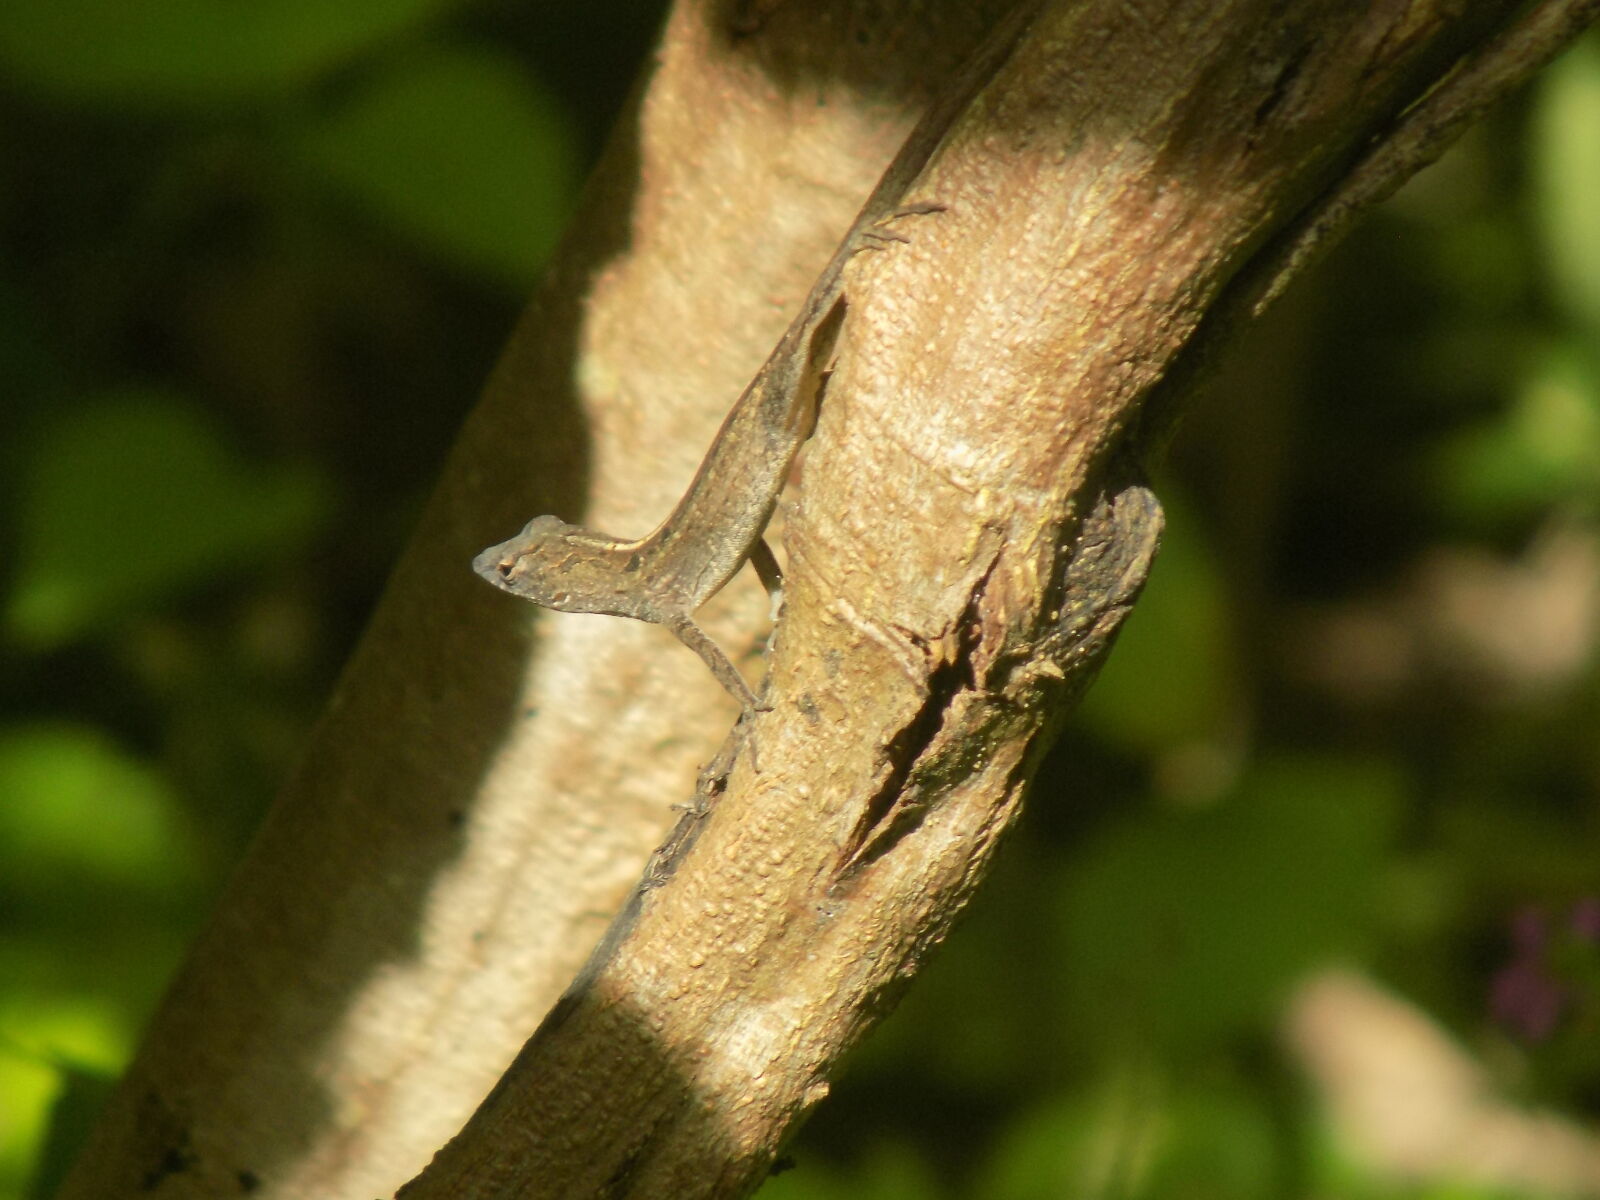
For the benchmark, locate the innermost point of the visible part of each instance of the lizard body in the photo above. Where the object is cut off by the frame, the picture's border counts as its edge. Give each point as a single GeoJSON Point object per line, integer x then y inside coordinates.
{"type": "Point", "coordinates": [663, 577]}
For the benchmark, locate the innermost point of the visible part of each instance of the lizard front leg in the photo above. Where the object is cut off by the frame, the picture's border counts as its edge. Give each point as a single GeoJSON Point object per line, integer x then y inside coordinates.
{"type": "Point", "coordinates": [692, 636]}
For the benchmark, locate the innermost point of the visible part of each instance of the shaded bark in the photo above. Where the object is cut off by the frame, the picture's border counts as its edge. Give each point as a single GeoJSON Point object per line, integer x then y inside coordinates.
{"type": "Point", "coordinates": [489, 779]}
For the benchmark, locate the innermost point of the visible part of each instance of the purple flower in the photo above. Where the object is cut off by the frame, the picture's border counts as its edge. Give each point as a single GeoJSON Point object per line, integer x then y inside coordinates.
{"type": "Point", "coordinates": [1551, 972]}
{"type": "Point", "coordinates": [1527, 1001]}
{"type": "Point", "coordinates": [1524, 997]}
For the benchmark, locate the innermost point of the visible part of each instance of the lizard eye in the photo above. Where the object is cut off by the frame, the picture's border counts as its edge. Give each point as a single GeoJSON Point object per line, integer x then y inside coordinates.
{"type": "Point", "coordinates": [504, 568]}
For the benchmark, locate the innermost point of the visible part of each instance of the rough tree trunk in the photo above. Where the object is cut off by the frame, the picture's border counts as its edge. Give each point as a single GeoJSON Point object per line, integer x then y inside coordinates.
{"type": "Point", "coordinates": [489, 780]}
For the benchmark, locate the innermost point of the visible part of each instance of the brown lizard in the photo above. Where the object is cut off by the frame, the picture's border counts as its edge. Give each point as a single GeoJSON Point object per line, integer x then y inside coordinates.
{"type": "Point", "coordinates": [665, 577]}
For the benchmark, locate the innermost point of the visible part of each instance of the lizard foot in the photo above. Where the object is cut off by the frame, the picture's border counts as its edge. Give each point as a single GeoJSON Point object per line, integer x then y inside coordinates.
{"type": "Point", "coordinates": [880, 233]}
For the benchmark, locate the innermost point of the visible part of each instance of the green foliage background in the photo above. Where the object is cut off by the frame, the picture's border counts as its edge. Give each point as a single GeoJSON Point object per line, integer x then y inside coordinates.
{"type": "Point", "coordinates": [255, 261]}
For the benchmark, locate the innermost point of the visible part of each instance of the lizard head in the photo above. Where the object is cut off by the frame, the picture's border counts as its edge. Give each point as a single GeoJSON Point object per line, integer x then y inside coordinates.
{"type": "Point", "coordinates": [522, 564]}
{"type": "Point", "coordinates": [560, 566]}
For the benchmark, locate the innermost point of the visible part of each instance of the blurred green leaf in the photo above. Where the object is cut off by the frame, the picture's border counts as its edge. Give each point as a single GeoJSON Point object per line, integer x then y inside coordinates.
{"type": "Point", "coordinates": [1183, 928]}
{"type": "Point", "coordinates": [1219, 1144]}
{"type": "Point", "coordinates": [87, 835]}
{"type": "Point", "coordinates": [76, 806]}
{"type": "Point", "coordinates": [128, 500]}
{"type": "Point", "coordinates": [1071, 1146]}
{"type": "Point", "coordinates": [78, 1101]}
{"type": "Point", "coordinates": [63, 1033]}
{"type": "Point", "coordinates": [27, 1090]}
{"type": "Point", "coordinates": [56, 1054]}
{"type": "Point", "coordinates": [190, 52]}
{"type": "Point", "coordinates": [459, 151]}
{"type": "Point", "coordinates": [1544, 449]}
{"type": "Point", "coordinates": [1135, 1138]}
{"type": "Point", "coordinates": [1567, 154]}
{"type": "Point", "coordinates": [93, 852]}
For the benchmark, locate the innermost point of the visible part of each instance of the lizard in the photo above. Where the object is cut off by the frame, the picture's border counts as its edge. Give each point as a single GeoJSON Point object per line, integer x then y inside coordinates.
{"type": "Point", "coordinates": [719, 523]}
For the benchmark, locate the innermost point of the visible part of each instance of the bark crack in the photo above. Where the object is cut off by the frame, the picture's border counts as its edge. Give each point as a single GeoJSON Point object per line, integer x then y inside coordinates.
{"type": "Point", "coordinates": [895, 808]}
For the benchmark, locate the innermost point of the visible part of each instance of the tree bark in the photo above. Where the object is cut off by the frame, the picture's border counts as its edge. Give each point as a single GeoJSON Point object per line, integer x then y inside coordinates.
{"type": "Point", "coordinates": [489, 779]}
